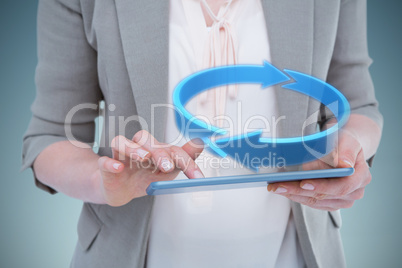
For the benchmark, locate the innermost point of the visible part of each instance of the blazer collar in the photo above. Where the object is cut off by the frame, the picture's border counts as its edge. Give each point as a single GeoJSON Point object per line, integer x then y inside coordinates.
{"type": "Point", "coordinates": [290, 32]}
{"type": "Point", "coordinates": [144, 29]}
{"type": "Point", "coordinates": [290, 27]}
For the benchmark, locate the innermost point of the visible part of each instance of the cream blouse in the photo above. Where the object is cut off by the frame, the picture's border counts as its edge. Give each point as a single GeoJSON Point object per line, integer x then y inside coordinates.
{"type": "Point", "coordinates": [229, 228]}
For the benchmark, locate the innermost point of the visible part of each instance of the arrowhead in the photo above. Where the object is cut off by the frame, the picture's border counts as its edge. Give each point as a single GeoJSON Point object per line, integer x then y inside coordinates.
{"type": "Point", "coordinates": [245, 149]}
{"type": "Point", "coordinates": [213, 148]}
{"type": "Point", "coordinates": [308, 85]}
{"type": "Point", "coordinates": [272, 75]}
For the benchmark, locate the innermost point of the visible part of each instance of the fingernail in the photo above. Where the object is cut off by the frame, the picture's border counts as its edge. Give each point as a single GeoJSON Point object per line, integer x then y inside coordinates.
{"type": "Point", "coordinates": [198, 175]}
{"type": "Point", "coordinates": [269, 188]}
{"type": "Point", "coordinates": [280, 190]}
{"type": "Point", "coordinates": [142, 153]}
{"type": "Point", "coordinates": [166, 165]}
{"type": "Point", "coordinates": [116, 166]}
{"type": "Point", "coordinates": [308, 186]}
{"type": "Point", "coordinates": [197, 141]}
{"type": "Point", "coordinates": [347, 162]}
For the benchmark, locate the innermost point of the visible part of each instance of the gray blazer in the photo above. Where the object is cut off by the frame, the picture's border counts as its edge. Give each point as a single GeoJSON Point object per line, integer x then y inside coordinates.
{"type": "Point", "coordinates": [117, 51]}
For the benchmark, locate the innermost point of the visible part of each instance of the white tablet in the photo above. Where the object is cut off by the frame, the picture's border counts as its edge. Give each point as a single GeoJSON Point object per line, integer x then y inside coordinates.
{"type": "Point", "coordinates": [243, 181]}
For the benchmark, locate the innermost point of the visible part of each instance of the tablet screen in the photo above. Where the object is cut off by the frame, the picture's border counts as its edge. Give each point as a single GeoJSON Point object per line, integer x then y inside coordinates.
{"type": "Point", "coordinates": [243, 181]}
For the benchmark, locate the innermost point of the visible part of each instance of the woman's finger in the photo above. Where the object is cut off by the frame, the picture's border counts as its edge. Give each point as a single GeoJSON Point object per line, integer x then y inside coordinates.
{"type": "Point", "coordinates": [109, 165]}
{"type": "Point", "coordinates": [123, 147]}
{"type": "Point", "coordinates": [110, 170]}
{"type": "Point", "coordinates": [159, 152]}
{"type": "Point", "coordinates": [194, 148]}
{"type": "Point", "coordinates": [341, 186]}
{"type": "Point", "coordinates": [186, 163]}
{"type": "Point", "coordinates": [320, 204]}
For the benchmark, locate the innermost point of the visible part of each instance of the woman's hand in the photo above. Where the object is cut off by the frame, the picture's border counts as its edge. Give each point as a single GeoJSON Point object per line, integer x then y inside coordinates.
{"type": "Point", "coordinates": [336, 193]}
{"type": "Point", "coordinates": [138, 162]}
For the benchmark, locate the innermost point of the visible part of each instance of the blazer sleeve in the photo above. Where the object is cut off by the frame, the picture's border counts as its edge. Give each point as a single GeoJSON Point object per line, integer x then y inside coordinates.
{"type": "Point", "coordinates": [66, 81]}
{"type": "Point", "coordinates": [349, 68]}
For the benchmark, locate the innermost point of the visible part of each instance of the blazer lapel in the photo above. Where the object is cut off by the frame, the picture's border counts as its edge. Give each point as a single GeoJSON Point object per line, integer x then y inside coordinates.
{"type": "Point", "coordinates": [291, 41]}
{"type": "Point", "coordinates": [144, 29]}
{"type": "Point", "coordinates": [290, 27]}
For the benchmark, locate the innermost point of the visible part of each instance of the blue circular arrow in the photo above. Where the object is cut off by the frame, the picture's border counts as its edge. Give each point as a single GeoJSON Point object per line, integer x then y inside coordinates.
{"type": "Point", "coordinates": [295, 150]}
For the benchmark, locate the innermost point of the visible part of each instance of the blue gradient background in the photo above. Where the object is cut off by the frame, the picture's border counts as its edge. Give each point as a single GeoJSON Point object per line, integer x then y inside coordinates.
{"type": "Point", "coordinates": [39, 230]}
